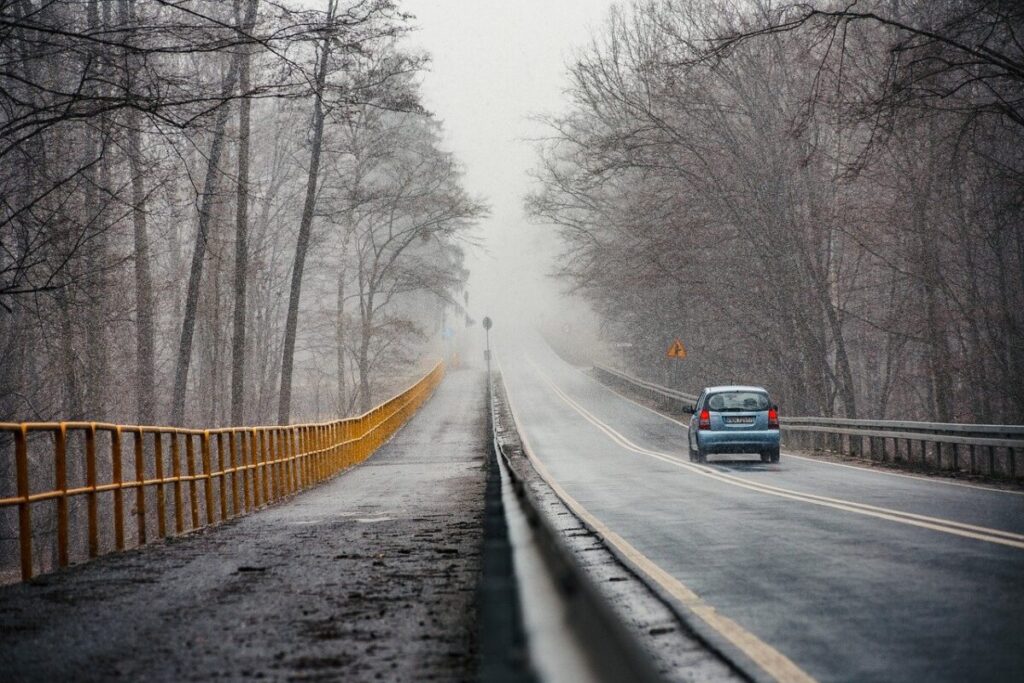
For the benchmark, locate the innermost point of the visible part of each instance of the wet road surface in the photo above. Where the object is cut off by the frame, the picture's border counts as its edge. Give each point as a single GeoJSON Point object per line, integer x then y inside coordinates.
{"type": "Point", "coordinates": [850, 574]}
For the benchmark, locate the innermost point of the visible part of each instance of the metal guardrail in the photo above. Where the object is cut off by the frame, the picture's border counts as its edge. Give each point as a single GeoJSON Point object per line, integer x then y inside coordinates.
{"type": "Point", "coordinates": [595, 628]}
{"type": "Point", "coordinates": [655, 390]}
{"type": "Point", "coordinates": [240, 469]}
{"type": "Point", "coordinates": [940, 445]}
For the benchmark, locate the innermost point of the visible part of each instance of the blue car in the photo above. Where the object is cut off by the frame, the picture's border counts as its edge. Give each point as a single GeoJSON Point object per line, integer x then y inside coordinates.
{"type": "Point", "coordinates": [734, 419]}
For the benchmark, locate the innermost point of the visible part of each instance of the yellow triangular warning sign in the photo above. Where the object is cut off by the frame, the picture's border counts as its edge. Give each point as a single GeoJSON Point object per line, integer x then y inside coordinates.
{"type": "Point", "coordinates": [677, 350]}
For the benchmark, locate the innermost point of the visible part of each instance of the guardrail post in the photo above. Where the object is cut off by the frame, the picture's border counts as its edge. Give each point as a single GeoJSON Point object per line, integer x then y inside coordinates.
{"type": "Point", "coordinates": [24, 509]}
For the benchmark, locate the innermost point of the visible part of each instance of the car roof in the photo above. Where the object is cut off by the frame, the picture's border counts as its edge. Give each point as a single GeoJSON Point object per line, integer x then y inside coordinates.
{"type": "Point", "coordinates": [736, 387]}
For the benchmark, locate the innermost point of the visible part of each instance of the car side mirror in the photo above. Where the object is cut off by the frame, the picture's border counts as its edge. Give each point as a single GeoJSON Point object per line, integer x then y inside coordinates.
{"type": "Point", "coordinates": [690, 409]}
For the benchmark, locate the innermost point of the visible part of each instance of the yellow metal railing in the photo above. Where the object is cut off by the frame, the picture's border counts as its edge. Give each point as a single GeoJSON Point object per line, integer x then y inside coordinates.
{"type": "Point", "coordinates": [239, 469]}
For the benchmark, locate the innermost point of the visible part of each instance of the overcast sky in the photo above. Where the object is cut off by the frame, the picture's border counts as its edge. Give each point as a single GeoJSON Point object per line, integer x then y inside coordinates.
{"type": "Point", "coordinates": [495, 63]}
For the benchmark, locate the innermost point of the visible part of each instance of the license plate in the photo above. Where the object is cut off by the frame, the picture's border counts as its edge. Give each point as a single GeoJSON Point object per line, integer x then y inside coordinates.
{"type": "Point", "coordinates": [739, 420]}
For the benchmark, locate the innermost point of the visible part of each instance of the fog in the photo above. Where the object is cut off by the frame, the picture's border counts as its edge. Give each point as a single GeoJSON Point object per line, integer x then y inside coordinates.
{"type": "Point", "coordinates": [495, 67]}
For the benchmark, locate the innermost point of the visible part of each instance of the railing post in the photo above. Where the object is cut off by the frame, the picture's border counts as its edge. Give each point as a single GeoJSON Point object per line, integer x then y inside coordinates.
{"type": "Point", "coordinates": [179, 502]}
{"type": "Point", "coordinates": [318, 450]}
{"type": "Point", "coordinates": [275, 474]}
{"type": "Point", "coordinates": [193, 493]}
{"type": "Point", "coordinates": [300, 460]}
{"type": "Point", "coordinates": [264, 474]}
{"type": "Point", "coordinates": [161, 487]}
{"type": "Point", "coordinates": [233, 449]}
{"type": "Point", "coordinates": [247, 449]}
{"type": "Point", "coordinates": [24, 509]}
{"type": "Point", "coordinates": [92, 496]}
{"type": "Point", "coordinates": [204, 446]}
{"type": "Point", "coordinates": [115, 457]}
{"type": "Point", "coordinates": [255, 451]}
{"type": "Point", "coordinates": [222, 477]}
{"type": "Point", "coordinates": [293, 452]}
{"type": "Point", "coordinates": [60, 451]}
{"type": "Point", "coordinates": [140, 491]}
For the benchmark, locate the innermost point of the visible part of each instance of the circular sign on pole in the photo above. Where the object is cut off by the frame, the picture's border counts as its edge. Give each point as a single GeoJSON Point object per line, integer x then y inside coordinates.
{"type": "Point", "coordinates": [487, 323]}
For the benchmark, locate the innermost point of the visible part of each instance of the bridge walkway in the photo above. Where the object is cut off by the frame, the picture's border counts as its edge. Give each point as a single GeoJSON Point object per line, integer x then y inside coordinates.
{"type": "Point", "coordinates": [369, 576]}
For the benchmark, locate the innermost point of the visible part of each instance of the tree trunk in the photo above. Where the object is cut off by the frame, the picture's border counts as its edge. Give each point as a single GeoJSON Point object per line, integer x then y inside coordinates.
{"type": "Point", "coordinates": [145, 364]}
{"type": "Point", "coordinates": [364, 372]}
{"type": "Point", "coordinates": [340, 342]}
{"type": "Point", "coordinates": [95, 279]}
{"type": "Point", "coordinates": [305, 228]}
{"type": "Point", "coordinates": [199, 253]}
{"type": "Point", "coordinates": [205, 212]}
{"type": "Point", "coordinates": [241, 233]}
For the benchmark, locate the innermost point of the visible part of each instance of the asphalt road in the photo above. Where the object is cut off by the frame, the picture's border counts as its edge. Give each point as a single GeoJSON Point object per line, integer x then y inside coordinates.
{"type": "Point", "coordinates": [371, 576]}
{"type": "Point", "coordinates": [840, 573]}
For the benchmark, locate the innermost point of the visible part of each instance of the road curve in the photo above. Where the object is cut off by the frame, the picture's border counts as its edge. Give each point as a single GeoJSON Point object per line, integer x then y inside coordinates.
{"type": "Point", "coordinates": [844, 573]}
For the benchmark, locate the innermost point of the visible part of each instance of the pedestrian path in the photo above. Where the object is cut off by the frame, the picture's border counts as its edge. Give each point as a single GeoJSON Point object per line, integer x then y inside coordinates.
{"type": "Point", "coordinates": [371, 576]}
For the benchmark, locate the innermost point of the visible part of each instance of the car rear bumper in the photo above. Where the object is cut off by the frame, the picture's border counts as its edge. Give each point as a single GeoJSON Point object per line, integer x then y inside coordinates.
{"type": "Point", "coordinates": [737, 442]}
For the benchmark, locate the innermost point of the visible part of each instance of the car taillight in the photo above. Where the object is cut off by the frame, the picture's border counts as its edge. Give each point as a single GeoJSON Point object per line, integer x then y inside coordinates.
{"type": "Point", "coordinates": [705, 420]}
{"type": "Point", "coordinates": [773, 418]}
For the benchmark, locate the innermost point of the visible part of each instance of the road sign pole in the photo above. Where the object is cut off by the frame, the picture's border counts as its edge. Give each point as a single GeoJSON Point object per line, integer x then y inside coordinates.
{"type": "Point", "coordinates": [487, 352]}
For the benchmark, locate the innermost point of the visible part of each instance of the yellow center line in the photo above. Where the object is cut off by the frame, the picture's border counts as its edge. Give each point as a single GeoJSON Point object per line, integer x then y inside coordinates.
{"type": "Point", "coordinates": [997, 536]}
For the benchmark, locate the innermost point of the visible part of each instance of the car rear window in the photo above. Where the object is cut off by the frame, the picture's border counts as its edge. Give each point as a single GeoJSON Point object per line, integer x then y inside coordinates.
{"type": "Point", "coordinates": [738, 401]}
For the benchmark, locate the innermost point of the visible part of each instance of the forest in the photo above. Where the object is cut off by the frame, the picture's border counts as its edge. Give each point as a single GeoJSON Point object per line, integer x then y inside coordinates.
{"type": "Point", "coordinates": [824, 198]}
{"type": "Point", "coordinates": [219, 212]}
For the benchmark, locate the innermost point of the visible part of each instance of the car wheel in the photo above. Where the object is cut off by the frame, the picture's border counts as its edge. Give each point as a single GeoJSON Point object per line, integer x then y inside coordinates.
{"type": "Point", "coordinates": [766, 456]}
{"type": "Point", "coordinates": [773, 456]}
{"type": "Point", "coordinates": [702, 456]}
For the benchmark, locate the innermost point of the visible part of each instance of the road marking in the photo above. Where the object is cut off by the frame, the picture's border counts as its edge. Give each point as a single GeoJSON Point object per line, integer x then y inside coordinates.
{"type": "Point", "coordinates": [773, 662]}
{"type": "Point", "coordinates": [915, 477]}
{"type": "Point", "coordinates": [1006, 538]}
{"type": "Point", "coordinates": [816, 461]}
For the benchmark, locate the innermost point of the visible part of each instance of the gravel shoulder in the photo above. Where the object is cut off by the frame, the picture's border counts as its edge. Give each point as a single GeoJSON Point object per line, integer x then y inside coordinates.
{"type": "Point", "coordinates": [371, 576]}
